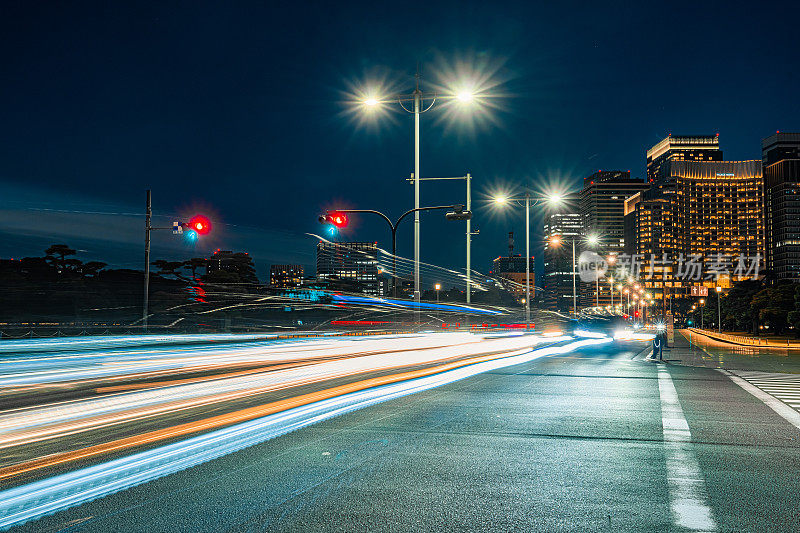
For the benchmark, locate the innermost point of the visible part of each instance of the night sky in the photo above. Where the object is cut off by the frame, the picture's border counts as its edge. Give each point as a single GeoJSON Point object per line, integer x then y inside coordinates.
{"type": "Point", "coordinates": [240, 110]}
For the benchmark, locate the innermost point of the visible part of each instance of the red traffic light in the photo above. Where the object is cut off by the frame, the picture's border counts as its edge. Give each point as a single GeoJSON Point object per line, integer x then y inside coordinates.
{"type": "Point", "coordinates": [336, 218]}
{"type": "Point", "coordinates": [200, 224]}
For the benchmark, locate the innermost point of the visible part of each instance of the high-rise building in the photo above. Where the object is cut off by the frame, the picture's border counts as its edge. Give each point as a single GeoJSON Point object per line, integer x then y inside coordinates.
{"type": "Point", "coordinates": [602, 204]}
{"type": "Point", "coordinates": [350, 266]}
{"type": "Point", "coordinates": [286, 276]}
{"type": "Point", "coordinates": [682, 148]}
{"type": "Point", "coordinates": [710, 209]}
{"type": "Point", "coordinates": [562, 225]}
{"type": "Point", "coordinates": [512, 271]}
{"type": "Point", "coordinates": [781, 162]}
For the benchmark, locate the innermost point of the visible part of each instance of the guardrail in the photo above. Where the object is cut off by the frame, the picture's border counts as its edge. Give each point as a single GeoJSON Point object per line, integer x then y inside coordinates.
{"type": "Point", "coordinates": [744, 340]}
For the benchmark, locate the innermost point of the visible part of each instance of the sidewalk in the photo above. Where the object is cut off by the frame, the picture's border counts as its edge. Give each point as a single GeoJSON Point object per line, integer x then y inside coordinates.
{"type": "Point", "coordinates": [696, 349]}
{"type": "Point", "coordinates": [743, 340]}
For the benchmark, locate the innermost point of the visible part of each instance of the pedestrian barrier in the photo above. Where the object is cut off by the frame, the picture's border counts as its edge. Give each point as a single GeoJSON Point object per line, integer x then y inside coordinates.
{"type": "Point", "coordinates": [743, 340]}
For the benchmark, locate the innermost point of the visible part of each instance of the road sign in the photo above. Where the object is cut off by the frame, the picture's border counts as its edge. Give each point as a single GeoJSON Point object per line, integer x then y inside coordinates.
{"type": "Point", "coordinates": [177, 228]}
{"type": "Point", "coordinates": [699, 290]}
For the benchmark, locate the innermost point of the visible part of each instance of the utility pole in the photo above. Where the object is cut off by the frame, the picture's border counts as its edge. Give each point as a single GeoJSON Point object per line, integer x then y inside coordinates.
{"type": "Point", "coordinates": [147, 227]}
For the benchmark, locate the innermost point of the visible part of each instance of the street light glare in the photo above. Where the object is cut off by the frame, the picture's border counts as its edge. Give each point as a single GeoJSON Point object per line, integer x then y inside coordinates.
{"type": "Point", "coordinates": [464, 96]}
{"type": "Point", "coordinates": [371, 102]}
{"type": "Point", "coordinates": [500, 199]}
{"type": "Point", "coordinates": [592, 239]}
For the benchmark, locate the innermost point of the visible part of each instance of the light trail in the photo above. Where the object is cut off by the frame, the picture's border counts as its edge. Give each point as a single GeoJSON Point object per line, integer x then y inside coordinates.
{"type": "Point", "coordinates": [59, 492]}
{"type": "Point", "coordinates": [60, 419]}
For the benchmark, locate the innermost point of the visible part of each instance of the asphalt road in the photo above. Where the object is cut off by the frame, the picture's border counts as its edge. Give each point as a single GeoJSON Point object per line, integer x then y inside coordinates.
{"type": "Point", "coordinates": [597, 440]}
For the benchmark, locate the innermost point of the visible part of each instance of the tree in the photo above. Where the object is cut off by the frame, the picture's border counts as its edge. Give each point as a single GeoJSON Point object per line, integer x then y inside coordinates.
{"type": "Point", "coordinates": [772, 305]}
{"type": "Point", "coordinates": [167, 268]}
{"type": "Point", "coordinates": [737, 313]}
{"type": "Point", "coordinates": [92, 268]}
{"type": "Point", "coordinates": [57, 254]}
{"type": "Point", "coordinates": [194, 264]}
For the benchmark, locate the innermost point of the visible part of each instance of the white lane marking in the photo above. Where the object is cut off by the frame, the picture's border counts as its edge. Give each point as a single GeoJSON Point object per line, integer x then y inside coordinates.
{"type": "Point", "coordinates": [687, 491]}
{"type": "Point", "coordinates": [785, 411]}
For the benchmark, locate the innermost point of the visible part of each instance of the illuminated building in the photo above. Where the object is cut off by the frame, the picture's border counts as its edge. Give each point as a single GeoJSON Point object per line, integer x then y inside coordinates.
{"type": "Point", "coordinates": [285, 276]}
{"type": "Point", "coordinates": [707, 208]}
{"type": "Point", "coordinates": [511, 270]}
{"type": "Point", "coordinates": [562, 224]}
{"type": "Point", "coordinates": [781, 161]}
{"type": "Point", "coordinates": [682, 148]}
{"type": "Point", "coordinates": [350, 267]}
{"type": "Point", "coordinates": [602, 204]}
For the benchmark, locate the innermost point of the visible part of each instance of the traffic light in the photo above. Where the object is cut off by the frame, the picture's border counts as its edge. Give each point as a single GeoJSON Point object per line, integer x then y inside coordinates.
{"type": "Point", "coordinates": [458, 213]}
{"type": "Point", "coordinates": [336, 218]}
{"type": "Point", "coordinates": [200, 225]}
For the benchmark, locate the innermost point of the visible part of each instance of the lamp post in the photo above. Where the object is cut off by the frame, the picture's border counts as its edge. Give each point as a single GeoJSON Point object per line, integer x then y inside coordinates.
{"type": "Point", "coordinates": [611, 288]}
{"type": "Point", "coordinates": [702, 306]}
{"type": "Point", "coordinates": [437, 287]}
{"type": "Point", "coordinates": [527, 199]}
{"type": "Point", "coordinates": [416, 98]}
{"type": "Point", "coordinates": [594, 240]}
{"type": "Point", "coordinates": [719, 310]}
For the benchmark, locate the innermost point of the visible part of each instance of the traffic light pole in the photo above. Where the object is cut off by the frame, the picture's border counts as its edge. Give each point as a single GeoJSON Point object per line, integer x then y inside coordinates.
{"type": "Point", "coordinates": [394, 225]}
{"type": "Point", "coordinates": [148, 227]}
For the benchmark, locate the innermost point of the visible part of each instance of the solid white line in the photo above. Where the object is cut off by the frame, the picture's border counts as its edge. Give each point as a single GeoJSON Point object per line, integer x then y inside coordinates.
{"type": "Point", "coordinates": [687, 491]}
{"type": "Point", "coordinates": [788, 414]}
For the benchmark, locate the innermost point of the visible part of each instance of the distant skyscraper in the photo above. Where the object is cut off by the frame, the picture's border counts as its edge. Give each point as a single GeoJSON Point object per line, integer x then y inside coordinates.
{"type": "Point", "coordinates": [564, 222]}
{"type": "Point", "coordinates": [350, 266]}
{"type": "Point", "coordinates": [682, 148]}
{"type": "Point", "coordinates": [285, 276]}
{"type": "Point", "coordinates": [602, 204]}
{"type": "Point", "coordinates": [781, 160]}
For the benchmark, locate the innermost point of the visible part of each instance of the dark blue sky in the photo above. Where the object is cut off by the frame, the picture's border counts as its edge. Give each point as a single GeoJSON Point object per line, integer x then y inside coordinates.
{"type": "Point", "coordinates": [239, 110]}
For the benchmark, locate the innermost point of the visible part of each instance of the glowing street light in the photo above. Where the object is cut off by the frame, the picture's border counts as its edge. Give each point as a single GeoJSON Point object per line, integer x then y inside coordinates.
{"type": "Point", "coordinates": [416, 99]}
{"type": "Point", "coordinates": [464, 96]}
{"type": "Point", "coordinates": [503, 200]}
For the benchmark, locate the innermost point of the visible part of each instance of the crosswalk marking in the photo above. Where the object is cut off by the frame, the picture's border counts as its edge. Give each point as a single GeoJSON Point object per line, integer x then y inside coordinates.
{"type": "Point", "coordinates": [780, 386]}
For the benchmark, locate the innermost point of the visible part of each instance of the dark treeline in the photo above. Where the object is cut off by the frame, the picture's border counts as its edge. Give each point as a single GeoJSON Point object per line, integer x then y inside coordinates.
{"type": "Point", "coordinates": [60, 287]}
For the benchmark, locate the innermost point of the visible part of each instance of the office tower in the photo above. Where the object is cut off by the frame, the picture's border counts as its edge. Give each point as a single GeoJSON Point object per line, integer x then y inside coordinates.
{"type": "Point", "coordinates": [350, 267]}
{"type": "Point", "coordinates": [682, 148]}
{"type": "Point", "coordinates": [562, 224]}
{"type": "Point", "coordinates": [602, 204]}
{"type": "Point", "coordinates": [781, 163]}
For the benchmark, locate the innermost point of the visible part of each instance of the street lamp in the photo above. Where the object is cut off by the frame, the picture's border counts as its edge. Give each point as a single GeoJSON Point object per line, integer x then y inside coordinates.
{"type": "Point", "coordinates": [611, 287]}
{"type": "Point", "coordinates": [556, 240]}
{"type": "Point", "coordinates": [504, 200]}
{"type": "Point", "coordinates": [437, 287]}
{"type": "Point", "coordinates": [702, 304]}
{"type": "Point", "coordinates": [593, 240]}
{"type": "Point", "coordinates": [417, 98]}
{"type": "Point", "coordinates": [719, 310]}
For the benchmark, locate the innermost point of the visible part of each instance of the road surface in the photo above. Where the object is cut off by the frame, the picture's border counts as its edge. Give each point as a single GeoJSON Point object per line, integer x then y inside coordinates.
{"type": "Point", "coordinates": [594, 438]}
